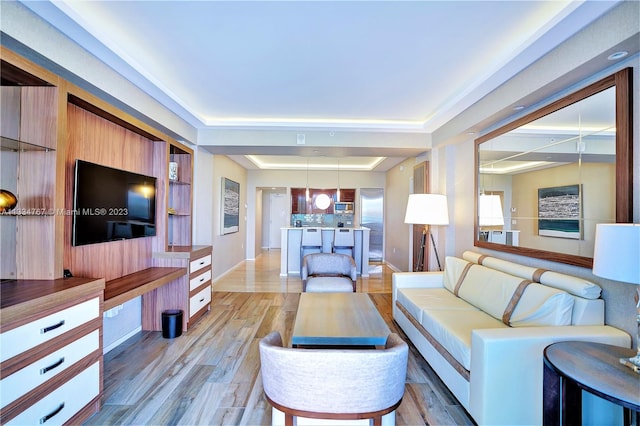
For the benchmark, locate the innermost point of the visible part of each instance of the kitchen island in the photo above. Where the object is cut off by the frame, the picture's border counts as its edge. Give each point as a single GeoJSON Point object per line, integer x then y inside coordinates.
{"type": "Point", "coordinates": [290, 249]}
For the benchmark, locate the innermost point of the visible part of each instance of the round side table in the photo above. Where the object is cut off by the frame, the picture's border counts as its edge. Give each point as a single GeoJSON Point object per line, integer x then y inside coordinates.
{"type": "Point", "coordinates": [570, 367]}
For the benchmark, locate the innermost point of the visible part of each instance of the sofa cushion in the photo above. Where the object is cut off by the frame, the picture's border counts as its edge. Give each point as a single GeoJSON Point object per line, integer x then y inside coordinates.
{"type": "Point", "coordinates": [454, 269]}
{"type": "Point", "coordinates": [573, 285]}
{"type": "Point", "coordinates": [452, 329]}
{"type": "Point", "coordinates": [540, 305]}
{"type": "Point", "coordinates": [488, 289]}
{"type": "Point", "coordinates": [511, 268]}
{"type": "Point", "coordinates": [513, 300]}
{"type": "Point", "coordinates": [415, 300]}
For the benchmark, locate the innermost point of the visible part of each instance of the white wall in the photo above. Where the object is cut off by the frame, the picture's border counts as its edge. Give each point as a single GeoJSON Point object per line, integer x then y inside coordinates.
{"type": "Point", "coordinates": [229, 249]}
{"type": "Point", "coordinates": [398, 236]}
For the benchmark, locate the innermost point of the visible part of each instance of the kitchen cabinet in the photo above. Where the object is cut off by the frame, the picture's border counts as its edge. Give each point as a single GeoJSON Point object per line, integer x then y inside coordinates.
{"type": "Point", "coordinates": [298, 201]}
{"type": "Point", "coordinates": [300, 204]}
{"type": "Point", "coordinates": [347, 195]}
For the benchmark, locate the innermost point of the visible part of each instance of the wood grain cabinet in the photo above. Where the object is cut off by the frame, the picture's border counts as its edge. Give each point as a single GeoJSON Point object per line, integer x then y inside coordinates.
{"type": "Point", "coordinates": [51, 351]}
{"type": "Point", "coordinates": [190, 293]}
{"type": "Point", "coordinates": [29, 132]}
{"type": "Point", "coordinates": [348, 195]}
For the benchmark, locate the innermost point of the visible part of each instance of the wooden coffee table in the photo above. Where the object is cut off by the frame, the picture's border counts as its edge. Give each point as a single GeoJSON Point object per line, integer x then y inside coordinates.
{"type": "Point", "coordinates": [338, 319]}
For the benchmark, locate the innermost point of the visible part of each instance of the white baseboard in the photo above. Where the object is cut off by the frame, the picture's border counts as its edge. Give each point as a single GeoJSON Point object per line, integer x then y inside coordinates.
{"type": "Point", "coordinates": [393, 267]}
{"type": "Point", "coordinates": [121, 340]}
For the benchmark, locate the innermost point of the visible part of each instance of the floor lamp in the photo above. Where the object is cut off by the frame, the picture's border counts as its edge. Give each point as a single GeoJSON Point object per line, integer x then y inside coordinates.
{"type": "Point", "coordinates": [427, 210]}
{"type": "Point", "coordinates": [616, 257]}
{"type": "Point", "coordinates": [489, 214]}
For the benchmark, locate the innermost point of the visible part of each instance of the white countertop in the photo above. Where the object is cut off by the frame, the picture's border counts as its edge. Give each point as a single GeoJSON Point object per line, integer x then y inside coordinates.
{"type": "Point", "coordinates": [358, 228]}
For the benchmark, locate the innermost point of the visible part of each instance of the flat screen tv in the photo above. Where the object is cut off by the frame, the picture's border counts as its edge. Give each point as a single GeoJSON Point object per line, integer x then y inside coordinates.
{"type": "Point", "coordinates": [111, 204]}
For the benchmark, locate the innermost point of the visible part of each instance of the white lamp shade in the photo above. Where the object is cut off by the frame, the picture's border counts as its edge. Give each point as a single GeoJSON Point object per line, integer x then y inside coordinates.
{"type": "Point", "coordinates": [490, 210]}
{"type": "Point", "coordinates": [427, 209]}
{"type": "Point", "coordinates": [616, 253]}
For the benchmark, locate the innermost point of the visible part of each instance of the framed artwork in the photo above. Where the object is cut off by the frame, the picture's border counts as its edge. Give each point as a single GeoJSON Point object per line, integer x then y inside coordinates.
{"type": "Point", "coordinates": [230, 206]}
{"type": "Point", "coordinates": [560, 211]}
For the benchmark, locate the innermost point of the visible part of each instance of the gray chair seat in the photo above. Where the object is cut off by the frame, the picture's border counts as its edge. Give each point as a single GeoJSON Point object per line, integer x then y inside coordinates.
{"type": "Point", "coordinates": [329, 284]}
{"type": "Point", "coordinates": [328, 272]}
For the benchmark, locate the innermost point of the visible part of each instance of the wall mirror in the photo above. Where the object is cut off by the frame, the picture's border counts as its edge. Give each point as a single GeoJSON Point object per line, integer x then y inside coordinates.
{"type": "Point", "coordinates": [546, 179]}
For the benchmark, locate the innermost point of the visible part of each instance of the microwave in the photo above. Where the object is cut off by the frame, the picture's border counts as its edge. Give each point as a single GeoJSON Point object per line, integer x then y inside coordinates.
{"type": "Point", "coordinates": [343, 207]}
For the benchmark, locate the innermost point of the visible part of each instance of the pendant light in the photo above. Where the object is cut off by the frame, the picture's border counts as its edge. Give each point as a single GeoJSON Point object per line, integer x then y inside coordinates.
{"type": "Point", "coordinates": [338, 191]}
{"type": "Point", "coordinates": [307, 191]}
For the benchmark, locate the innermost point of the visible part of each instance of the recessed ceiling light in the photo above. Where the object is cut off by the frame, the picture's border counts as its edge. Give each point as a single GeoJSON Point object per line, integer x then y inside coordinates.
{"type": "Point", "coordinates": [518, 107]}
{"type": "Point", "coordinates": [617, 55]}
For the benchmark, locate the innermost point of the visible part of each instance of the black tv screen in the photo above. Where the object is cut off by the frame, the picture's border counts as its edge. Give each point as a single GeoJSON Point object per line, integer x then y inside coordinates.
{"type": "Point", "coordinates": [111, 204]}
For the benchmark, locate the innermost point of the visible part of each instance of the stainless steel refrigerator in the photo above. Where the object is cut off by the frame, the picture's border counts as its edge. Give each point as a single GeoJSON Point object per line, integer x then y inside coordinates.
{"type": "Point", "coordinates": [372, 217]}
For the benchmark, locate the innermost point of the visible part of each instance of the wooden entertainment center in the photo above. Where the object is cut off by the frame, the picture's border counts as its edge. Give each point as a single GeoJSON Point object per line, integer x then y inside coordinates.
{"type": "Point", "coordinates": [46, 124]}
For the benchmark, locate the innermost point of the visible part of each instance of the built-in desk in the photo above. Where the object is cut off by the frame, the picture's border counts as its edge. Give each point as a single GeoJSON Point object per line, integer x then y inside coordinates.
{"type": "Point", "coordinates": [191, 292]}
{"type": "Point", "coordinates": [180, 280]}
{"type": "Point", "coordinates": [123, 289]}
{"type": "Point", "coordinates": [291, 238]}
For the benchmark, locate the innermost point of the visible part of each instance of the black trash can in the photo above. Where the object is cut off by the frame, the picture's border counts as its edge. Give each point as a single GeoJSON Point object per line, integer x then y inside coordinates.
{"type": "Point", "coordinates": [171, 323]}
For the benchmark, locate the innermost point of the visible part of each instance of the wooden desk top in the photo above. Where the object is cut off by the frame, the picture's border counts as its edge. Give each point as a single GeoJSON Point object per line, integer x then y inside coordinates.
{"type": "Point", "coordinates": [338, 319]}
{"type": "Point", "coordinates": [596, 368]}
{"type": "Point", "coordinates": [120, 290]}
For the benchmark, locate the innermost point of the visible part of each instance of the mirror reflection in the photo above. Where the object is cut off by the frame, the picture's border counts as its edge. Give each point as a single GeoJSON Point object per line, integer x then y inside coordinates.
{"type": "Point", "coordinates": [545, 185]}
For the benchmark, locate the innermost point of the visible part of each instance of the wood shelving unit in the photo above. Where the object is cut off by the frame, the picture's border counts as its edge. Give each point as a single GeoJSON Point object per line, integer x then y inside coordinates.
{"type": "Point", "coordinates": [29, 129]}
{"type": "Point", "coordinates": [46, 124]}
{"type": "Point", "coordinates": [180, 199]}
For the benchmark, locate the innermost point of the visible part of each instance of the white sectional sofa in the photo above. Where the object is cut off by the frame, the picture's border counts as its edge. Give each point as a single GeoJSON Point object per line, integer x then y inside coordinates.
{"type": "Point", "coordinates": [483, 324]}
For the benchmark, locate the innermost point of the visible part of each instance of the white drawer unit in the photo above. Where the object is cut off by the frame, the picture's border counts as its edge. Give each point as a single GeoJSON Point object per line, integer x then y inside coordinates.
{"type": "Point", "coordinates": [51, 351]}
{"type": "Point", "coordinates": [200, 280]}
{"type": "Point", "coordinates": [20, 339]}
{"type": "Point", "coordinates": [200, 300]}
{"type": "Point", "coordinates": [64, 402]}
{"type": "Point", "coordinates": [197, 264]}
{"type": "Point", "coordinates": [35, 374]}
{"type": "Point", "coordinates": [190, 293]}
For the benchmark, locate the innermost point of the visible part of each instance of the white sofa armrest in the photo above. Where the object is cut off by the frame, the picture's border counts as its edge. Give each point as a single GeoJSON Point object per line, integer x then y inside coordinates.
{"type": "Point", "coordinates": [416, 280]}
{"type": "Point", "coordinates": [507, 368]}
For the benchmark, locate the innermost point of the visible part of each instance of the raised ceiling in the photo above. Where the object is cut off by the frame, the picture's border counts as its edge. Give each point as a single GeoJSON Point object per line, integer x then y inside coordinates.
{"type": "Point", "coordinates": [320, 68]}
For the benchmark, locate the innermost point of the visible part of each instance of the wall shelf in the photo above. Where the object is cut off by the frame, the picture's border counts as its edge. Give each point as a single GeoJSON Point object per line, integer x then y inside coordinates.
{"type": "Point", "coordinates": [15, 145]}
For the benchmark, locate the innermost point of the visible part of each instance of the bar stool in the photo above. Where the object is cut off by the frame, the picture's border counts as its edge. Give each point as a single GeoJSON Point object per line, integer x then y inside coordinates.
{"type": "Point", "coordinates": [311, 242]}
{"type": "Point", "coordinates": [343, 241]}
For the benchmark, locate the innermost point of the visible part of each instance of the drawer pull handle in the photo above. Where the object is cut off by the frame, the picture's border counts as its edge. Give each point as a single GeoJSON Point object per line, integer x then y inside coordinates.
{"type": "Point", "coordinates": [201, 279]}
{"type": "Point", "coordinates": [51, 414]}
{"type": "Point", "coordinates": [52, 327]}
{"type": "Point", "coordinates": [52, 366]}
{"type": "Point", "coordinates": [202, 300]}
{"type": "Point", "coordinates": [202, 263]}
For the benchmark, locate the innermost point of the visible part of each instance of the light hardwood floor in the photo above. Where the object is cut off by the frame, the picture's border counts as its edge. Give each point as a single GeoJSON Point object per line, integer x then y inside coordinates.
{"type": "Point", "coordinates": [211, 374]}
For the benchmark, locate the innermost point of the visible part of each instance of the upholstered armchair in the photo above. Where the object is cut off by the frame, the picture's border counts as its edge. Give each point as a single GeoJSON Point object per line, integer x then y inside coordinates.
{"type": "Point", "coordinates": [339, 384]}
{"type": "Point", "coordinates": [328, 273]}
